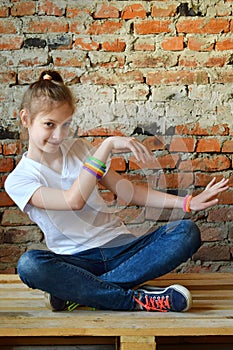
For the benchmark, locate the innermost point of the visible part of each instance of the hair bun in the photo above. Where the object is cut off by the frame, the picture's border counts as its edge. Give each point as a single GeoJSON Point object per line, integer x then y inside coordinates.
{"type": "Point", "coordinates": [51, 75]}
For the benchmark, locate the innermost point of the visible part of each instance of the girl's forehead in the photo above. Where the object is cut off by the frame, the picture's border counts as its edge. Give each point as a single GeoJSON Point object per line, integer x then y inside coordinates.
{"type": "Point", "coordinates": [60, 113]}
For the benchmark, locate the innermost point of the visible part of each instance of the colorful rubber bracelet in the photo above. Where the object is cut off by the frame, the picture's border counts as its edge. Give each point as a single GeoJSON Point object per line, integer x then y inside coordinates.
{"type": "Point", "coordinates": [92, 172]}
{"type": "Point", "coordinates": [89, 161]}
{"type": "Point", "coordinates": [97, 161]}
{"type": "Point", "coordinates": [94, 169]}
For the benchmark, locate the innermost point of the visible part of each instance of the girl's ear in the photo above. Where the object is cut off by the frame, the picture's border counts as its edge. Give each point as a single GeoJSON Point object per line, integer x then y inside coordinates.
{"type": "Point", "coordinates": [25, 118]}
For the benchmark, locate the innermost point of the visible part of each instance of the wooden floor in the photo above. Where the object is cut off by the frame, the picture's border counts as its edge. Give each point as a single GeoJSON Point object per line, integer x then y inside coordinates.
{"type": "Point", "coordinates": [24, 319]}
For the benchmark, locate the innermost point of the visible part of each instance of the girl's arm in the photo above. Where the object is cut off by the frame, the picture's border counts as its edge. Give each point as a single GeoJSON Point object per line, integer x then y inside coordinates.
{"type": "Point", "coordinates": [146, 196]}
{"type": "Point", "coordinates": [76, 196]}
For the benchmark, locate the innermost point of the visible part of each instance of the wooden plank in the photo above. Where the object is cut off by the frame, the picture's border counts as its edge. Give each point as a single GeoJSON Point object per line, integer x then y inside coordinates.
{"type": "Point", "coordinates": [5, 278]}
{"type": "Point", "coordinates": [94, 323]}
{"type": "Point", "coordinates": [137, 343]}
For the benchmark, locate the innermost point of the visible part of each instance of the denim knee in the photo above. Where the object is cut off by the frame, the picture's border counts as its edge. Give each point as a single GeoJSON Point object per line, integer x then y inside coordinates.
{"type": "Point", "coordinates": [28, 266]}
{"type": "Point", "coordinates": [193, 233]}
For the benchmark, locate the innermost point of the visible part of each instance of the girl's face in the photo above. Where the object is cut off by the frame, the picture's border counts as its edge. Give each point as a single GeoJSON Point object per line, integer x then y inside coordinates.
{"type": "Point", "coordinates": [47, 130]}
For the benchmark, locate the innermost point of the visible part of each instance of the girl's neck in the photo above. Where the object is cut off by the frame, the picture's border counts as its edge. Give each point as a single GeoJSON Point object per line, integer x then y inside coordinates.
{"type": "Point", "coordinates": [53, 161]}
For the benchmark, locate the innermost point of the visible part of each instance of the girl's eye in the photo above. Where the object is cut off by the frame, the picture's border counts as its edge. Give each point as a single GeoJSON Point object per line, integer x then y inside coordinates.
{"type": "Point", "coordinates": [49, 124]}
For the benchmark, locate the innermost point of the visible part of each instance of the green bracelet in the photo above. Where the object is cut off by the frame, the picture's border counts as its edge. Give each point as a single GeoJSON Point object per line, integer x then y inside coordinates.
{"type": "Point", "coordinates": [97, 161]}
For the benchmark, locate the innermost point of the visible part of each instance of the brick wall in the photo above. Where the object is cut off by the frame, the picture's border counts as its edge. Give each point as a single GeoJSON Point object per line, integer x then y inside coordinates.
{"type": "Point", "coordinates": [161, 70]}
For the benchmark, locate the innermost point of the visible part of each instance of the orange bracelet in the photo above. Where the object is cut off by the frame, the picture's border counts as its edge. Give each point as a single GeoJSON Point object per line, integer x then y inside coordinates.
{"type": "Point", "coordinates": [186, 204]}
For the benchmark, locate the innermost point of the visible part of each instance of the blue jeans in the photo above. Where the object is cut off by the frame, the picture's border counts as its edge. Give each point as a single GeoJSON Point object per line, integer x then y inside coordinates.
{"type": "Point", "coordinates": [104, 277]}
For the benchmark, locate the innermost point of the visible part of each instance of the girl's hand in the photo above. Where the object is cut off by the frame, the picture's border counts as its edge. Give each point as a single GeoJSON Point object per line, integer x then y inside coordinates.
{"type": "Point", "coordinates": [203, 200]}
{"type": "Point", "coordinates": [141, 152]}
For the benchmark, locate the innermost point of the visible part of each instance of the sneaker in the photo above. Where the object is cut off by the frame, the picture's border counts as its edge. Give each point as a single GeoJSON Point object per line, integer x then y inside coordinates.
{"type": "Point", "coordinates": [56, 304]}
{"type": "Point", "coordinates": [173, 298]}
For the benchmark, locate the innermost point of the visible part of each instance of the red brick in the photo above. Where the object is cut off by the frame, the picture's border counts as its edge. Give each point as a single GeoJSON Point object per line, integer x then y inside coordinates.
{"type": "Point", "coordinates": [69, 60]}
{"type": "Point", "coordinates": [5, 200]}
{"type": "Point", "coordinates": [50, 8]}
{"type": "Point", "coordinates": [23, 8]}
{"type": "Point", "coordinates": [8, 26]}
{"type": "Point", "coordinates": [154, 143]}
{"type": "Point", "coordinates": [166, 10]}
{"type": "Point", "coordinates": [222, 77]}
{"type": "Point", "coordinates": [182, 144]}
{"type": "Point", "coordinates": [208, 145]}
{"type": "Point", "coordinates": [176, 180]}
{"type": "Point", "coordinates": [144, 46]}
{"type": "Point", "coordinates": [114, 46]}
{"type": "Point", "coordinates": [212, 233]}
{"type": "Point", "coordinates": [15, 217]}
{"type": "Point", "coordinates": [106, 27]}
{"type": "Point", "coordinates": [204, 61]}
{"type": "Point", "coordinates": [203, 25]}
{"type": "Point", "coordinates": [217, 163]}
{"type": "Point", "coordinates": [4, 11]}
{"type": "Point", "coordinates": [2, 180]}
{"type": "Point", "coordinates": [227, 146]}
{"type": "Point", "coordinates": [152, 27]}
{"type": "Point", "coordinates": [173, 44]}
{"type": "Point", "coordinates": [12, 148]}
{"type": "Point", "coordinates": [11, 42]}
{"type": "Point", "coordinates": [72, 12]}
{"type": "Point", "coordinates": [177, 77]}
{"type": "Point", "coordinates": [10, 253]}
{"type": "Point", "coordinates": [118, 163]}
{"type": "Point", "coordinates": [86, 44]}
{"type": "Point", "coordinates": [212, 253]}
{"type": "Point", "coordinates": [164, 162]}
{"type": "Point", "coordinates": [200, 44]}
{"type": "Point", "coordinates": [101, 131]}
{"type": "Point", "coordinates": [28, 75]}
{"type": "Point", "coordinates": [106, 11]}
{"type": "Point", "coordinates": [133, 11]}
{"type": "Point", "coordinates": [22, 234]}
{"type": "Point", "coordinates": [226, 198]}
{"type": "Point", "coordinates": [113, 78]}
{"type": "Point", "coordinates": [231, 27]}
{"type": "Point", "coordinates": [46, 25]}
{"type": "Point", "coordinates": [197, 129]}
{"type": "Point", "coordinates": [224, 45]}
{"type": "Point", "coordinates": [147, 60]}
{"type": "Point", "coordinates": [202, 179]}
{"type": "Point", "coordinates": [8, 270]}
{"type": "Point", "coordinates": [220, 215]}
{"type": "Point", "coordinates": [6, 165]}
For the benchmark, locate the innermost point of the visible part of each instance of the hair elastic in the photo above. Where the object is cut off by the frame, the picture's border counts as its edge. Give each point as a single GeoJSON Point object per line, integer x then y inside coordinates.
{"type": "Point", "coordinates": [47, 77]}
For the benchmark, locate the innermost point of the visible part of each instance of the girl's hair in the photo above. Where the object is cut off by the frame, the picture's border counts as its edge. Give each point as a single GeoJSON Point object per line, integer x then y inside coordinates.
{"type": "Point", "coordinates": [45, 93]}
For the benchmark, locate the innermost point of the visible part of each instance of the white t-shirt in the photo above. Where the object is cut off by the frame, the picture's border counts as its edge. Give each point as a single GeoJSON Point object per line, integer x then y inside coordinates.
{"type": "Point", "coordinates": [70, 231]}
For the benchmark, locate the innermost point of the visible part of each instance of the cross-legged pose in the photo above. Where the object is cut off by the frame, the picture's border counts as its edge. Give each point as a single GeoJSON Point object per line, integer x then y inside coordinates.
{"type": "Point", "coordinates": [93, 259]}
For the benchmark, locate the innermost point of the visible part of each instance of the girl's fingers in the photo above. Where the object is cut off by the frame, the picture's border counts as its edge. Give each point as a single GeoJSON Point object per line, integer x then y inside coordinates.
{"type": "Point", "coordinates": [210, 183]}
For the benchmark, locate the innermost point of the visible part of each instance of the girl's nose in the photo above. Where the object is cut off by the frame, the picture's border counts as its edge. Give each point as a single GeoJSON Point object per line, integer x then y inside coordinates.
{"type": "Point", "coordinates": [57, 134]}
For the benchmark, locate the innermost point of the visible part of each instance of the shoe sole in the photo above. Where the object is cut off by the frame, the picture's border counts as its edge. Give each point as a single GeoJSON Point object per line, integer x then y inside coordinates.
{"type": "Point", "coordinates": [181, 289]}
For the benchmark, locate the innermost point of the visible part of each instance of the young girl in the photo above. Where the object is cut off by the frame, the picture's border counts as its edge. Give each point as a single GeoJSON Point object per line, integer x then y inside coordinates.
{"type": "Point", "coordinates": [92, 258]}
